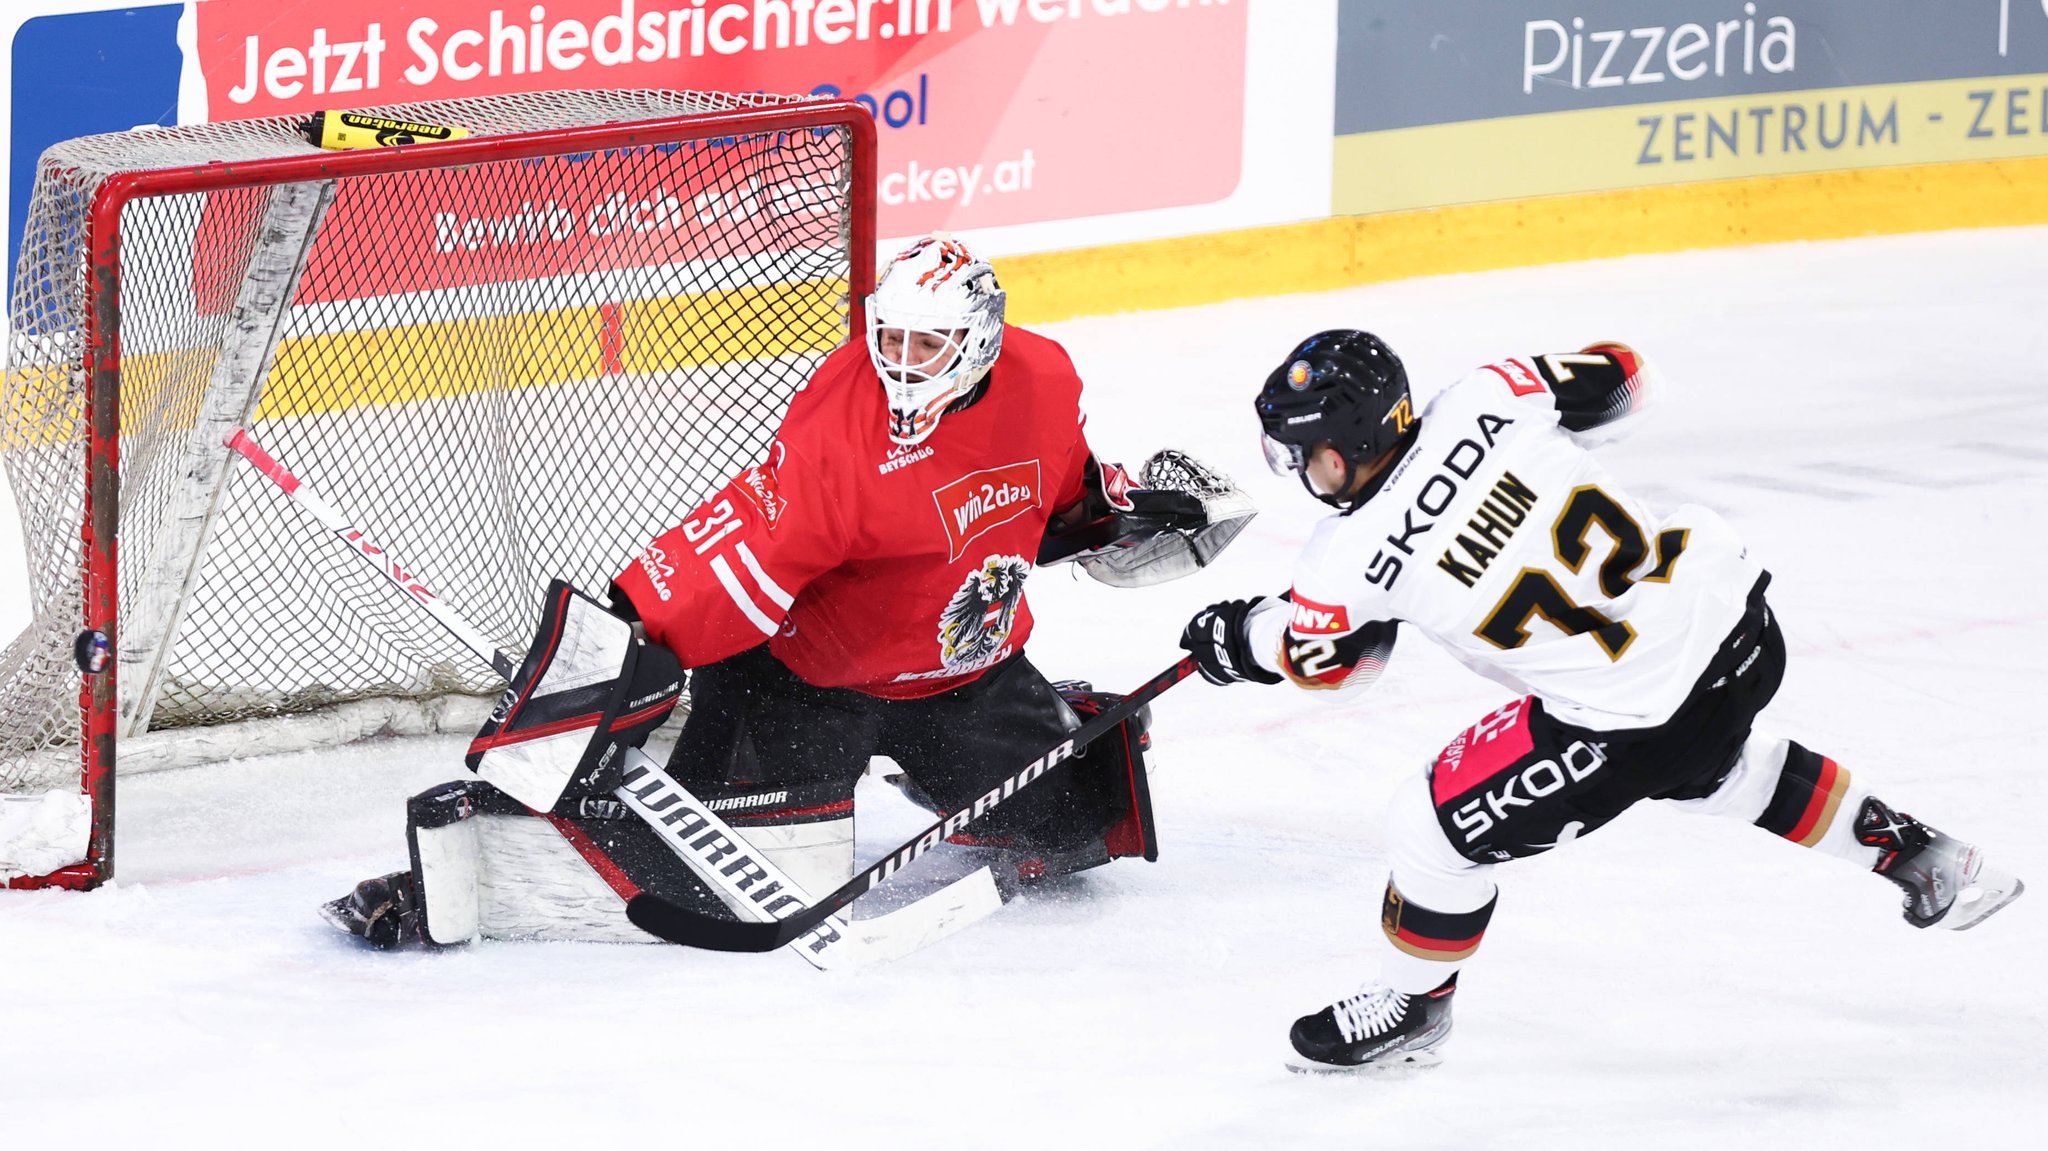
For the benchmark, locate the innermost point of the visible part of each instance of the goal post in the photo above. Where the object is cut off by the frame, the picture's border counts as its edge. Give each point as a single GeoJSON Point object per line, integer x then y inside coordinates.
{"type": "Point", "coordinates": [284, 238]}
{"type": "Point", "coordinates": [531, 350]}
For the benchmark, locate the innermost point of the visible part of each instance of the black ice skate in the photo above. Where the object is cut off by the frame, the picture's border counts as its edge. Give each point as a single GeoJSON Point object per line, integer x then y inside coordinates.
{"type": "Point", "coordinates": [383, 912]}
{"type": "Point", "coordinates": [1946, 881]}
{"type": "Point", "coordinates": [1377, 1030]}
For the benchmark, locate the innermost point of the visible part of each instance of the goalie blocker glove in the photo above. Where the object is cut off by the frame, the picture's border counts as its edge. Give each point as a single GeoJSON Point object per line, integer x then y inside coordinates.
{"type": "Point", "coordinates": [590, 687]}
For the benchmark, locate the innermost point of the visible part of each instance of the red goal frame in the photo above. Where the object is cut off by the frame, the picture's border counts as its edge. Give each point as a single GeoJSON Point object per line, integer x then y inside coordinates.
{"type": "Point", "coordinates": [103, 242]}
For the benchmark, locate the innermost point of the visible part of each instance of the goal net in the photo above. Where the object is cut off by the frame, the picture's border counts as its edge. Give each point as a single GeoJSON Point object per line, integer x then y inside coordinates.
{"type": "Point", "coordinates": [518, 355]}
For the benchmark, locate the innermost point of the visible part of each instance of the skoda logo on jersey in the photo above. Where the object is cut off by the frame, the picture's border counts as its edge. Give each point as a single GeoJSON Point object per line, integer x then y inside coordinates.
{"type": "Point", "coordinates": [1298, 375]}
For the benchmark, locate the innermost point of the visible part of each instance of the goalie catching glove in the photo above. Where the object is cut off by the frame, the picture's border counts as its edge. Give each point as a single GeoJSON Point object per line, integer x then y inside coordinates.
{"type": "Point", "coordinates": [1179, 518]}
{"type": "Point", "coordinates": [590, 687]}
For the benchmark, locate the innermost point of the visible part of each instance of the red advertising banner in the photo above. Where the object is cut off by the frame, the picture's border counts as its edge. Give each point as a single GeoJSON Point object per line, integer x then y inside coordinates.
{"type": "Point", "coordinates": [990, 112]}
{"type": "Point", "coordinates": [560, 216]}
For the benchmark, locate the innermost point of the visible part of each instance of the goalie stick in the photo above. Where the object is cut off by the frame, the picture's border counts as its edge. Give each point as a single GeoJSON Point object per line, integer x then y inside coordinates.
{"type": "Point", "coordinates": [658, 916]}
{"type": "Point", "coordinates": [704, 841]}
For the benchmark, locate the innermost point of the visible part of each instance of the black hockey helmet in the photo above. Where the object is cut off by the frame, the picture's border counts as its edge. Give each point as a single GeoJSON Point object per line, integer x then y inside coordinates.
{"type": "Point", "coordinates": [1343, 387]}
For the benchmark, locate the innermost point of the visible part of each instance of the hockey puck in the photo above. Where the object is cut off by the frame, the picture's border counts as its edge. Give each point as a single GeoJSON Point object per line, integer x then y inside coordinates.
{"type": "Point", "coordinates": [92, 650]}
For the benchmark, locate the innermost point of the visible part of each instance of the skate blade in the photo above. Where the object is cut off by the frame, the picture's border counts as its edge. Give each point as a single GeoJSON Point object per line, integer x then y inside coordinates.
{"type": "Point", "coordinates": [335, 911]}
{"type": "Point", "coordinates": [1401, 1066]}
{"type": "Point", "coordinates": [344, 919]}
{"type": "Point", "coordinates": [1983, 908]}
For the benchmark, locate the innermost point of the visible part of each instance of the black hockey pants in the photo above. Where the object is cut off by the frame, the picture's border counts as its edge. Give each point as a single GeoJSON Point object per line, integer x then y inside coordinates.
{"type": "Point", "coordinates": [1521, 782]}
{"type": "Point", "coordinates": [764, 746]}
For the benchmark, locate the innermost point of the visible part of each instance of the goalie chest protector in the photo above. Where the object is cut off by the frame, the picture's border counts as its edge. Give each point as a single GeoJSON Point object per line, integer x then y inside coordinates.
{"type": "Point", "coordinates": [894, 569]}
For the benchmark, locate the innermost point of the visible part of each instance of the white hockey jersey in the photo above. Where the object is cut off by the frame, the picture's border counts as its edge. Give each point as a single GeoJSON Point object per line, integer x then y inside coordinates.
{"type": "Point", "coordinates": [1501, 537]}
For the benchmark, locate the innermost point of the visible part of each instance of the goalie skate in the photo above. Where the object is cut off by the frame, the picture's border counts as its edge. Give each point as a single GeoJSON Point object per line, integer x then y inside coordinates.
{"type": "Point", "coordinates": [1375, 1032]}
{"type": "Point", "coordinates": [381, 911]}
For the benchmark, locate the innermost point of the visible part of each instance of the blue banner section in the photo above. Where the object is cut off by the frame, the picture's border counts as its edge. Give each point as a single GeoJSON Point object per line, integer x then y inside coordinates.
{"type": "Point", "coordinates": [1403, 64]}
{"type": "Point", "coordinates": [86, 72]}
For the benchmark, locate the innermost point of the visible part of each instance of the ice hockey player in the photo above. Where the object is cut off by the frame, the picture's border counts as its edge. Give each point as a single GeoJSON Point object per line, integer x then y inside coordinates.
{"type": "Point", "coordinates": [1641, 645]}
{"type": "Point", "coordinates": [857, 593]}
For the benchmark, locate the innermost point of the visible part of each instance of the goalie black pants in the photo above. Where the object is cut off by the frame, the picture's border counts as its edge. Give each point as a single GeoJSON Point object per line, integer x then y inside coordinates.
{"type": "Point", "coordinates": [762, 746]}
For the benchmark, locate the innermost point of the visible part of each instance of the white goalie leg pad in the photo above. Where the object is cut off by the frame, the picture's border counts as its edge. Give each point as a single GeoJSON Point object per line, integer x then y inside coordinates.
{"type": "Point", "coordinates": [817, 856]}
{"type": "Point", "coordinates": [447, 867]}
{"type": "Point", "coordinates": [533, 884]}
{"type": "Point", "coordinates": [41, 833]}
{"type": "Point", "coordinates": [586, 689]}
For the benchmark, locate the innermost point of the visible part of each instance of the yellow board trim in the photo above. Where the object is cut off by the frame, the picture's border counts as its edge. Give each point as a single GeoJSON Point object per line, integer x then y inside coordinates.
{"type": "Point", "coordinates": [1973, 120]}
{"type": "Point", "coordinates": [1315, 256]}
{"type": "Point", "coordinates": [1347, 251]}
{"type": "Point", "coordinates": [546, 348]}
{"type": "Point", "coordinates": [405, 364]}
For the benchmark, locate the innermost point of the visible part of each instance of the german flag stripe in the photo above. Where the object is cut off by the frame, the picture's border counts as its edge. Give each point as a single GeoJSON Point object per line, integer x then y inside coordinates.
{"type": "Point", "coordinates": [1446, 950]}
{"type": "Point", "coordinates": [1809, 792]}
{"type": "Point", "coordinates": [1820, 811]}
{"type": "Point", "coordinates": [1428, 934]}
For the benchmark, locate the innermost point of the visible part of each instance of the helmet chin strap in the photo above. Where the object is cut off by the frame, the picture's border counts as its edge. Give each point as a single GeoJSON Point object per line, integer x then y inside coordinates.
{"type": "Point", "coordinates": [1341, 503]}
{"type": "Point", "coordinates": [1371, 487]}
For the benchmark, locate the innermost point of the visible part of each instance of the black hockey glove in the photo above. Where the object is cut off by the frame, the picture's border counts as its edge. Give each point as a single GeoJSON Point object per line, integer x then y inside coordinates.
{"type": "Point", "coordinates": [1218, 639]}
{"type": "Point", "coordinates": [591, 687]}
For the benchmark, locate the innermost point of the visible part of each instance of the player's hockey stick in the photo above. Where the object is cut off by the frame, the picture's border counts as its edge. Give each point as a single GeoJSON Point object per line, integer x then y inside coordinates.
{"type": "Point", "coordinates": [707, 845]}
{"type": "Point", "coordinates": [658, 916]}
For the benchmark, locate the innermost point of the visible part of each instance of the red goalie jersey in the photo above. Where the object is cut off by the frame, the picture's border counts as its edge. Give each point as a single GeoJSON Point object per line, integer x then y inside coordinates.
{"type": "Point", "coordinates": [897, 570]}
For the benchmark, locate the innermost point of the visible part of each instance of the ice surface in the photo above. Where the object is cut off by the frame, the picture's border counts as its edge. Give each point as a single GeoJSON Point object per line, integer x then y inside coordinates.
{"type": "Point", "coordinates": [1871, 414]}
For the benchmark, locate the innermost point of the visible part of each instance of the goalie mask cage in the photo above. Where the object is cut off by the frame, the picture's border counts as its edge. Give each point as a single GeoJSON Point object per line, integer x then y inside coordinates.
{"type": "Point", "coordinates": [519, 355]}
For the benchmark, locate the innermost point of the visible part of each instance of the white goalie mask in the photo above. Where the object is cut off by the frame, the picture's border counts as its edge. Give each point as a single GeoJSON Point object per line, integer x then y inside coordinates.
{"type": "Point", "coordinates": [935, 326]}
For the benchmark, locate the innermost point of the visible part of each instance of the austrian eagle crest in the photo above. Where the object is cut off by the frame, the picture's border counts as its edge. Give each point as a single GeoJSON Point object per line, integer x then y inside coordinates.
{"type": "Point", "coordinates": [977, 621]}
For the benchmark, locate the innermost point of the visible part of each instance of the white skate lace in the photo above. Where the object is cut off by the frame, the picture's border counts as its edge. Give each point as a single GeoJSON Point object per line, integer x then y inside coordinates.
{"type": "Point", "coordinates": [1374, 1010]}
